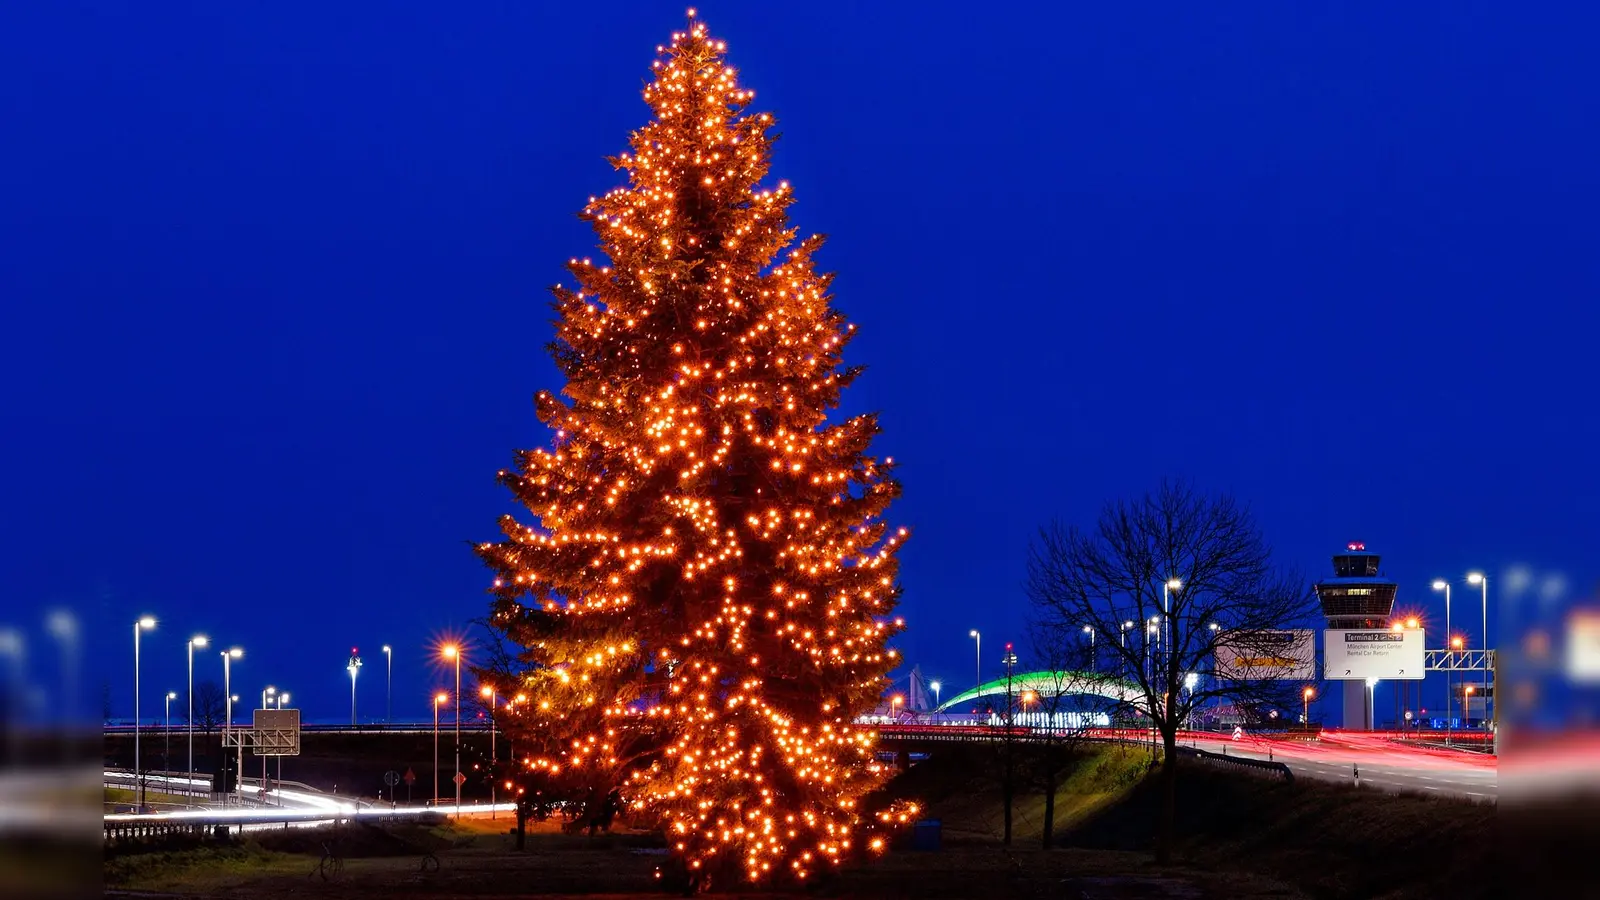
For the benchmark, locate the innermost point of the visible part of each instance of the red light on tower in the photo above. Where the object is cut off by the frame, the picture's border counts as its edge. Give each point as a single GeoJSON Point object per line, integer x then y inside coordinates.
{"type": "Point", "coordinates": [1355, 546]}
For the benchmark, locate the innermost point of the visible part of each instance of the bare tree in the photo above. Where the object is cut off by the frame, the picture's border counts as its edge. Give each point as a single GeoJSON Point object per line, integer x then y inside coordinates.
{"type": "Point", "coordinates": [1195, 573]}
{"type": "Point", "coordinates": [1062, 704]}
{"type": "Point", "coordinates": [210, 706]}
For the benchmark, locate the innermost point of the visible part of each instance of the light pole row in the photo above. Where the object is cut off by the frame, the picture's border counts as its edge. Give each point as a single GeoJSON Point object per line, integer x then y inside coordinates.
{"type": "Point", "coordinates": [1454, 643]}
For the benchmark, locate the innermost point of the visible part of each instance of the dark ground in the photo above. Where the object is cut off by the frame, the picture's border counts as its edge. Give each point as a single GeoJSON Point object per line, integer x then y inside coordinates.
{"type": "Point", "coordinates": [1243, 838]}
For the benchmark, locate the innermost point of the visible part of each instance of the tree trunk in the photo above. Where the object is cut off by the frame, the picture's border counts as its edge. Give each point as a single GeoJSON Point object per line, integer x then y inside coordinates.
{"type": "Point", "coordinates": [1169, 795]}
{"type": "Point", "coordinates": [1006, 791]}
{"type": "Point", "coordinates": [1049, 804]}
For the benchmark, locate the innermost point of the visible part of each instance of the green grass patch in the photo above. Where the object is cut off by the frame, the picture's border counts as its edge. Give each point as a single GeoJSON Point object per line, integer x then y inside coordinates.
{"type": "Point", "coordinates": [127, 797]}
{"type": "Point", "coordinates": [211, 867]}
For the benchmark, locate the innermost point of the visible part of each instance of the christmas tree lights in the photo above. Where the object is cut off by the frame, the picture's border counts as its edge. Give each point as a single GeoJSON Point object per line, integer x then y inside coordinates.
{"type": "Point", "coordinates": [704, 596]}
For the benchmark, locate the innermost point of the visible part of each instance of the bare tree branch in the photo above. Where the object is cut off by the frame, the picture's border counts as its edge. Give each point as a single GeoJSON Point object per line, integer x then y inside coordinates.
{"type": "Point", "coordinates": [1163, 581]}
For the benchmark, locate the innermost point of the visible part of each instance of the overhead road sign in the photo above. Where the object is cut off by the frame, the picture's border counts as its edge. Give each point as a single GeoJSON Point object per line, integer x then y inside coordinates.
{"type": "Point", "coordinates": [1381, 653]}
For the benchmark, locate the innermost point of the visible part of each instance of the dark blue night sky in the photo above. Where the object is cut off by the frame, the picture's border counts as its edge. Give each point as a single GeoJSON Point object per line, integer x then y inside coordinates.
{"type": "Point", "coordinates": [273, 281]}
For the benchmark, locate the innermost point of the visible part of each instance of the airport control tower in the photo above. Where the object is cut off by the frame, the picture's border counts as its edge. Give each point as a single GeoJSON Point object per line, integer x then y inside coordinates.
{"type": "Point", "coordinates": [1356, 597]}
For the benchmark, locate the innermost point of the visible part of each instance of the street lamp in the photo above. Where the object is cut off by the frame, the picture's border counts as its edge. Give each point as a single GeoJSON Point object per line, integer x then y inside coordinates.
{"type": "Point", "coordinates": [228, 656]}
{"type": "Point", "coordinates": [894, 707]}
{"type": "Point", "coordinates": [1372, 693]}
{"type": "Point", "coordinates": [494, 710]}
{"type": "Point", "coordinates": [198, 640]}
{"type": "Point", "coordinates": [166, 735]}
{"type": "Point", "coordinates": [354, 668]}
{"type": "Point", "coordinates": [388, 703]}
{"type": "Point", "coordinates": [451, 651]}
{"type": "Point", "coordinates": [1307, 694]}
{"type": "Point", "coordinates": [935, 686]}
{"type": "Point", "coordinates": [1439, 584]}
{"type": "Point", "coordinates": [267, 696]}
{"type": "Point", "coordinates": [979, 639]}
{"type": "Point", "coordinates": [283, 697]}
{"type": "Point", "coordinates": [144, 623]}
{"type": "Point", "coordinates": [1152, 632]}
{"type": "Point", "coordinates": [1482, 581]}
{"type": "Point", "coordinates": [1168, 588]}
{"type": "Point", "coordinates": [439, 700]}
{"type": "Point", "coordinates": [1089, 630]}
{"type": "Point", "coordinates": [1011, 662]}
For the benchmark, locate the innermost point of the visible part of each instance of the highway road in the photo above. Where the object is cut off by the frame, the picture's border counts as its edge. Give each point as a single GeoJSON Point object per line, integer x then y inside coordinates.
{"type": "Point", "coordinates": [1382, 764]}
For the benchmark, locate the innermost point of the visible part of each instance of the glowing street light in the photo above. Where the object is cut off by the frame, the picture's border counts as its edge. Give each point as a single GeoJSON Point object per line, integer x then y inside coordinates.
{"type": "Point", "coordinates": [439, 700]}
{"type": "Point", "coordinates": [1170, 587]}
{"type": "Point", "coordinates": [935, 686]}
{"type": "Point", "coordinates": [354, 668]}
{"type": "Point", "coordinates": [228, 656]}
{"type": "Point", "coordinates": [198, 640]}
{"type": "Point", "coordinates": [1440, 584]}
{"type": "Point", "coordinates": [453, 652]}
{"type": "Point", "coordinates": [166, 732]}
{"type": "Point", "coordinates": [1089, 630]}
{"type": "Point", "coordinates": [1482, 581]}
{"type": "Point", "coordinates": [979, 639]}
{"type": "Point", "coordinates": [144, 623]}
{"type": "Point", "coordinates": [1372, 693]}
{"type": "Point", "coordinates": [388, 703]}
{"type": "Point", "coordinates": [488, 693]}
{"type": "Point", "coordinates": [1306, 695]}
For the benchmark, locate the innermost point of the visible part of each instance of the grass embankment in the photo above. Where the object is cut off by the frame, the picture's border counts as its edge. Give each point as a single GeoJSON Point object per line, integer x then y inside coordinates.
{"type": "Point", "coordinates": [1327, 840]}
{"type": "Point", "coordinates": [124, 797]}
{"type": "Point", "coordinates": [1241, 838]}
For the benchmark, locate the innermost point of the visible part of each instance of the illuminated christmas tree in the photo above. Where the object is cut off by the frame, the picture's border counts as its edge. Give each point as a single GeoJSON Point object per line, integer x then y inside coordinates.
{"type": "Point", "coordinates": [704, 594]}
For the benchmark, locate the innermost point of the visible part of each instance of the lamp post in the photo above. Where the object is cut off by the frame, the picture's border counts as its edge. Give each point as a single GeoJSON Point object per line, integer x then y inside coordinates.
{"type": "Point", "coordinates": [1189, 682]}
{"type": "Point", "coordinates": [1440, 584]}
{"type": "Point", "coordinates": [267, 696]}
{"type": "Point", "coordinates": [494, 708]}
{"type": "Point", "coordinates": [1152, 634]}
{"type": "Point", "coordinates": [1011, 662]}
{"type": "Point", "coordinates": [1305, 716]}
{"type": "Point", "coordinates": [282, 699]}
{"type": "Point", "coordinates": [454, 652]}
{"type": "Point", "coordinates": [438, 701]}
{"type": "Point", "coordinates": [166, 733]}
{"type": "Point", "coordinates": [1457, 643]}
{"type": "Point", "coordinates": [894, 708]}
{"type": "Point", "coordinates": [1372, 693]}
{"type": "Point", "coordinates": [354, 668]}
{"type": "Point", "coordinates": [144, 623]}
{"type": "Point", "coordinates": [228, 656]}
{"type": "Point", "coordinates": [1168, 587]}
{"type": "Point", "coordinates": [1482, 581]}
{"type": "Point", "coordinates": [1089, 630]}
{"type": "Point", "coordinates": [935, 686]}
{"type": "Point", "coordinates": [978, 638]}
{"type": "Point", "coordinates": [198, 640]}
{"type": "Point", "coordinates": [388, 693]}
